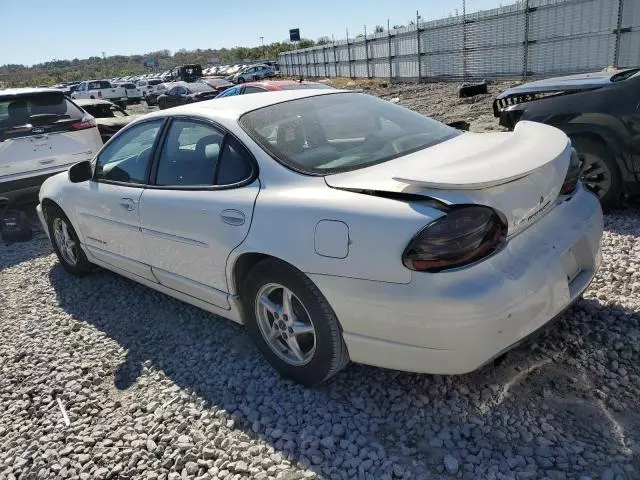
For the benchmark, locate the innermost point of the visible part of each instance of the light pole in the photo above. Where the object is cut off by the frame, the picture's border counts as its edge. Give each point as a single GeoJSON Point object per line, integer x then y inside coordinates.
{"type": "Point", "coordinates": [262, 47]}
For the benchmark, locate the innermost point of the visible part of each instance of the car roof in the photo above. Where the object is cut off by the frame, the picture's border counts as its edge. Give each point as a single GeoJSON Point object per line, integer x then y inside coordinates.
{"type": "Point", "coordinates": [27, 90]}
{"type": "Point", "coordinates": [279, 84]}
{"type": "Point", "coordinates": [238, 105]}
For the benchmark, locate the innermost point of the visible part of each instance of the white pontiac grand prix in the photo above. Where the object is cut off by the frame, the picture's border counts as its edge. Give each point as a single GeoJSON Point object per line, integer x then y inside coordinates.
{"type": "Point", "coordinates": [337, 226]}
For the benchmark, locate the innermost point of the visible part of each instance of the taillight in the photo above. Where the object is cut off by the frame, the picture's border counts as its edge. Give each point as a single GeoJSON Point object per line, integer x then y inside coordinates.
{"type": "Point", "coordinates": [464, 235]}
{"type": "Point", "coordinates": [573, 174]}
{"type": "Point", "coordinates": [85, 122]}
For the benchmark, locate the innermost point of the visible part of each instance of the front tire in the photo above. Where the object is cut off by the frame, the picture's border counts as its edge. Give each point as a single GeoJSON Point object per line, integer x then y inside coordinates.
{"type": "Point", "coordinates": [292, 323]}
{"type": "Point", "coordinates": [240, 79]}
{"type": "Point", "coordinates": [66, 243]}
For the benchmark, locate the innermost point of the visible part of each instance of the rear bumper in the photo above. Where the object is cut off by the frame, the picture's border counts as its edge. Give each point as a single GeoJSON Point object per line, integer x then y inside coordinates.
{"type": "Point", "coordinates": [454, 322]}
{"type": "Point", "coordinates": [25, 188]}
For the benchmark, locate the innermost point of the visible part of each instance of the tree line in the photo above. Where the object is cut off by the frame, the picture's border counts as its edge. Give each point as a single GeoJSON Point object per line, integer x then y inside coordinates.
{"type": "Point", "coordinates": [57, 71]}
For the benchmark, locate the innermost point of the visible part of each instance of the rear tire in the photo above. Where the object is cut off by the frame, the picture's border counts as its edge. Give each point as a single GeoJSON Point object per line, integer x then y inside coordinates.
{"type": "Point", "coordinates": [66, 243]}
{"type": "Point", "coordinates": [303, 341]}
{"type": "Point", "coordinates": [601, 174]}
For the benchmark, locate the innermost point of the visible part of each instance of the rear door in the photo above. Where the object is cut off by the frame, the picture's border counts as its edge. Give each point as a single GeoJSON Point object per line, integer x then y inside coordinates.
{"type": "Point", "coordinates": [42, 133]}
{"type": "Point", "coordinates": [198, 208]}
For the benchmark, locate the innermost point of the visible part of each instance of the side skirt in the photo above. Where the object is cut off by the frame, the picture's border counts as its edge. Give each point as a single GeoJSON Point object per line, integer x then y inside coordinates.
{"type": "Point", "coordinates": [233, 314]}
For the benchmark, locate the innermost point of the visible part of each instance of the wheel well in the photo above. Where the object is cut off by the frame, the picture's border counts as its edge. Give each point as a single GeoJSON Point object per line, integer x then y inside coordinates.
{"type": "Point", "coordinates": [243, 265]}
{"type": "Point", "coordinates": [47, 203]}
{"type": "Point", "coordinates": [588, 136]}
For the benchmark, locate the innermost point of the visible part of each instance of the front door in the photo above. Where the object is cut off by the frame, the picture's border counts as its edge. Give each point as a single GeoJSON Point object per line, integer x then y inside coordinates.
{"type": "Point", "coordinates": [198, 208]}
{"type": "Point", "coordinates": [108, 207]}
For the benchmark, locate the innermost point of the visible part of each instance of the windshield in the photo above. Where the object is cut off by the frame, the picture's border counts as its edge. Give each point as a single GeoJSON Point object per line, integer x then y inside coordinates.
{"type": "Point", "coordinates": [346, 131]}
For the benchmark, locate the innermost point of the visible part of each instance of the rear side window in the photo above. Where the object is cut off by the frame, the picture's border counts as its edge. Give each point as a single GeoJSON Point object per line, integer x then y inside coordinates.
{"type": "Point", "coordinates": [43, 109]}
{"type": "Point", "coordinates": [235, 165]}
{"type": "Point", "coordinates": [190, 155]}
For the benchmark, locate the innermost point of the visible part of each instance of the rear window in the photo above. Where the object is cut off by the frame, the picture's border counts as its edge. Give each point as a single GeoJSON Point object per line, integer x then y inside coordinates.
{"type": "Point", "coordinates": [346, 131]}
{"type": "Point", "coordinates": [155, 82]}
{"type": "Point", "coordinates": [51, 109]}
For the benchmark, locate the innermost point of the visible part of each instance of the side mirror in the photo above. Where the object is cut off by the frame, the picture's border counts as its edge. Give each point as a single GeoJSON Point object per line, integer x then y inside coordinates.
{"type": "Point", "coordinates": [80, 172]}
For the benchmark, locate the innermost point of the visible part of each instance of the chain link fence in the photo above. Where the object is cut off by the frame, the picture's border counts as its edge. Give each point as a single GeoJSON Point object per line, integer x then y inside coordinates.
{"type": "Point", "coordinates": [526, 39]}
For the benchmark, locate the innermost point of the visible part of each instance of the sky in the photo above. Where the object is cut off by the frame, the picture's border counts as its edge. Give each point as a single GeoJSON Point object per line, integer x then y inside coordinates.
{"type": "Point", "coordinates": [35, 31]}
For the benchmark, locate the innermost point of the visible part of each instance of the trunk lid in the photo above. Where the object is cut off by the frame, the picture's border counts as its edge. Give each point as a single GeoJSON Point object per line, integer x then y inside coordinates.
{"type": "Point", "coordinates": [519, 174]}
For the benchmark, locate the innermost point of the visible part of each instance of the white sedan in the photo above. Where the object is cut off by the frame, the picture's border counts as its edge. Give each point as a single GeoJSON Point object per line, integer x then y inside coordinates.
{"type": "Point", "coordinates": [337, 226]}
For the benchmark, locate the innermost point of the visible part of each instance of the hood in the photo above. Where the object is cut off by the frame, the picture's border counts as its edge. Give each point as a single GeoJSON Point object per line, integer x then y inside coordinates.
{"type": "Point", "coordinates": [582, 81]}
{"type": "Point", "coordinates": [518, 174]}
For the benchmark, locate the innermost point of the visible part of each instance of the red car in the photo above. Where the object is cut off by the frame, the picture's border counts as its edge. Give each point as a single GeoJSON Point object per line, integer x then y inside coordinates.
{"type": "Point", "coordinates": [271, 86]}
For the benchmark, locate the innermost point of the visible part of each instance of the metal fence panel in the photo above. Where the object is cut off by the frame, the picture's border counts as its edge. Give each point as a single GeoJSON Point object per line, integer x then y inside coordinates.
{"type": "Point", "coordinates": [573, 18]}
{"type": "Point", "coordinates": [571, 55]}
{"type": "Point", "coordinates": [631, 14]}
{"type": "Point", "coordinates": [630, 49]}
{"type": "Point", "coordinates": [530, 37]}
{"type": "Point", "coordinates": [441, 39]}
{"type": "Point", "coordinates": [443, 65]}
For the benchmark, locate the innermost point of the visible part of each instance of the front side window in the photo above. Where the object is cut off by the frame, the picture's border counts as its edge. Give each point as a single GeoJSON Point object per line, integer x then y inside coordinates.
{"type": "Point", "coordinates": [127, 158]}
{"type": "Point", "coordinates": [189, 155]}
{"type": "Point", "coordinates": [327, 134]}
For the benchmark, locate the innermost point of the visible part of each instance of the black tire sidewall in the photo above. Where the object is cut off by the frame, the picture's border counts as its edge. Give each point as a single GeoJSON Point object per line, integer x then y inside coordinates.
{"type": "Point", "coordinates": [325, 322]}
{"type": "Point", "coordinates": [83, 265]}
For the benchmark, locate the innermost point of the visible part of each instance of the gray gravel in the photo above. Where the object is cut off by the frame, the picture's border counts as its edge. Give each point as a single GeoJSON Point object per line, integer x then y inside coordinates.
{"type": "Point", "coordinates": [156, 389]}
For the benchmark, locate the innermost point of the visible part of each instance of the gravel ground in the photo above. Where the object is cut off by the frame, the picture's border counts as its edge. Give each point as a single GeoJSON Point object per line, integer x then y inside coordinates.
{"type": "Point", "coordinates": [103, 378]}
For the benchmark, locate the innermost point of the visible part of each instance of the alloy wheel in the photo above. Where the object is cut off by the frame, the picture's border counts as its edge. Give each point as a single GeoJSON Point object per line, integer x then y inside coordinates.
{"type": "Point", "coordinates": [285, 324]}
{"type": "Point", "coordinates": [596, 174]}
{"type": "Point", "coordinates": [65, 242]}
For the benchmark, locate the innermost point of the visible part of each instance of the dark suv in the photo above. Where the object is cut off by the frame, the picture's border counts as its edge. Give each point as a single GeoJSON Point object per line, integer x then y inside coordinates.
{"type": "Point", "coordinates": [600, 112]}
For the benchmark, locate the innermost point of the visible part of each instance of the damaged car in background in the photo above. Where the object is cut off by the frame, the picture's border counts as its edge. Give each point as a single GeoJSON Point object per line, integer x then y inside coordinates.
{"type": "Point", "coordinates": [600, 112]}
{"type": "Point", "coordinates": [180, 93]}
{"type": "Point", "coordinates": [109, 117]}
{"type": "Point", "coordinates": [337, 226]}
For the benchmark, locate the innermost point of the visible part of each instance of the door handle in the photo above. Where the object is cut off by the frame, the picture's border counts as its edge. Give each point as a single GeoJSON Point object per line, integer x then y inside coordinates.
{"type": "Point", "coordinates": [127, 204]}
{"type": "Point", "coordinates": [232, 217]}
{"type": "Point", "coordinates": [47, 161]}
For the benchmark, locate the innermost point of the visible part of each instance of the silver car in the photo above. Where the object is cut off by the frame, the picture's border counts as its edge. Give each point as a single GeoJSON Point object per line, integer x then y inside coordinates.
{"type": "Point", "coordinates": [252, 72]}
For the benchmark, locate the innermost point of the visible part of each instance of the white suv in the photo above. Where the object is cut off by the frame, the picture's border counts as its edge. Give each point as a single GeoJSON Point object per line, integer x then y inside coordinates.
{"type": "Point", "coordinates": [41, 133]}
